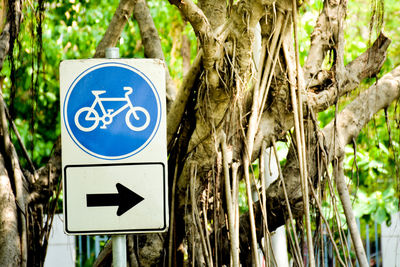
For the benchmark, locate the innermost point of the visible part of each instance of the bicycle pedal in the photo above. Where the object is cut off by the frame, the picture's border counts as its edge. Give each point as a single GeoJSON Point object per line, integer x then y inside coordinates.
{"type": "Point", "coordinates": [110, 110]}
{"type": "Point", "coordinates": [103, 127]}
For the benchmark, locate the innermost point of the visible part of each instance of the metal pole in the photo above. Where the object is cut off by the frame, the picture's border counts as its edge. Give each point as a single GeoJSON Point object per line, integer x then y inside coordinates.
{"type": "Point", "coordinates": [118, 241]}
{"type": "Point", "coordinates": [112, 52]}
{"type": "Point", "coordinates": [119, 250]}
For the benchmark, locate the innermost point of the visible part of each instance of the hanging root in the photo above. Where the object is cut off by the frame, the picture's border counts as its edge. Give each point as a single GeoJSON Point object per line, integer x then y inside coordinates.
{"type": "Point", "coordinates": [348, 211]}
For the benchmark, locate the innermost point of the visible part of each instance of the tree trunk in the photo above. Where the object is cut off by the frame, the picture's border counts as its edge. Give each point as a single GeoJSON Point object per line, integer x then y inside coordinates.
{"type": "Point", "coordinates": [10, 252]}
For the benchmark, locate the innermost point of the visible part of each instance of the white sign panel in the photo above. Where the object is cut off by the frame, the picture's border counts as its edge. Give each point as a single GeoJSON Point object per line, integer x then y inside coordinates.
{"type": "Point", "coordinates": [114, 153]}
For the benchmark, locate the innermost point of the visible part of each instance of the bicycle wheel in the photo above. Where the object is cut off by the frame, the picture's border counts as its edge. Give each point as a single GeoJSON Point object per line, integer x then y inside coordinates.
{"type": "Point", "coordinates": [137, 116]}
{"type": "Point", "coordinates": [90, 116]}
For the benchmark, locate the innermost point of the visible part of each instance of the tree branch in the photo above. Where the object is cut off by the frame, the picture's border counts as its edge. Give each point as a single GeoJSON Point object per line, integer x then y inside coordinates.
{"type": "Point", "coordinates": [366, 65]}
{"type": "Point", "coordinates": [348, 211]}
{"type": "Point", "coordinates": [179, 105]}
{"type": "Point", "coordinates": [192, 13]}
{"type": "Point", "coordinates": [105, 256]}
{"type": "Point", "coordinates": [114, 30]}
{"type": "Point", "coordinates": [4, 44]}
{"type": "Point", "coordinates": [323, 37]}
{"type": "Point", "coordinates": [209, 41]}
{"type": "Point", "coordinates": [215, 11]}
{"type": "Point", "coordinates": [360, 111]}
{"type": "Point", "coordinates": [152, 43]}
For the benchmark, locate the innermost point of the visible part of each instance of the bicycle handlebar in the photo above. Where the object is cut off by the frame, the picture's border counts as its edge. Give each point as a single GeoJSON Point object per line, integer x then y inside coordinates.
{"type": "Point", "coordinates": [128, 90]}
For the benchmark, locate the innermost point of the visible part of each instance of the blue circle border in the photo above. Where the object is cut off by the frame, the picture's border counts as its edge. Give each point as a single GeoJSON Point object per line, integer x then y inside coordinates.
{"type": "Point", "coordinates": [70, 89]}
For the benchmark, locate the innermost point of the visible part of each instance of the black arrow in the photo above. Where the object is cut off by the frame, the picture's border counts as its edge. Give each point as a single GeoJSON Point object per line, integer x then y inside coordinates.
{"type": "Point", "coordinates": [125, 199]}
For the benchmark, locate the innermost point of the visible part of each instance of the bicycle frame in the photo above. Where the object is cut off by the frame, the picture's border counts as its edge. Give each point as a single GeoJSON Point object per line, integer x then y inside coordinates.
{"type": "Point", "coordinates": [107, 115]}
{"type": "Point", "coordinates": [98, 100]}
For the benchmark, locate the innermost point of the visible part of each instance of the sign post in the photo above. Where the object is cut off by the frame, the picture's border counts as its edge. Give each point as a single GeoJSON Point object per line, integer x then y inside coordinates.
{"type": "Point", "coordinates": [114, 153]}
{"type": "Point", "coordinates": [119, 250]}
{"type": "Point", "coordinates": [118, 241]}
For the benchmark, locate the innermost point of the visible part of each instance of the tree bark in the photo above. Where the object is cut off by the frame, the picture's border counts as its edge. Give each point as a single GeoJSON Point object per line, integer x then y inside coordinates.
{"type": "Point", "coordinates": [10, 252]}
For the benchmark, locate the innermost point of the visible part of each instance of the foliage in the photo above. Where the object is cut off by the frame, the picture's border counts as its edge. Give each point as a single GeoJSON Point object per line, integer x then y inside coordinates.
{"type": "Point", "coordinates": [377, 205]}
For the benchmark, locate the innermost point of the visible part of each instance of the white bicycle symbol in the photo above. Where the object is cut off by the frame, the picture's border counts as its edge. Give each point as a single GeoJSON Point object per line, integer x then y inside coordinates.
{"type": "Point", "coordinates": [107, 116]}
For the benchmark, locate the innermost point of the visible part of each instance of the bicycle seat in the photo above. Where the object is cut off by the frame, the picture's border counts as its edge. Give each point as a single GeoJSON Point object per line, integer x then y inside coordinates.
{"type": "Point", "coordinates": [98, 92]}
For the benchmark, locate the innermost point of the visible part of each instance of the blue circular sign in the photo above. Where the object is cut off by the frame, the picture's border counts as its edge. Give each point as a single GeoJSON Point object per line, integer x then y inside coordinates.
{"type": "Point", "coordinates": [112, 111]}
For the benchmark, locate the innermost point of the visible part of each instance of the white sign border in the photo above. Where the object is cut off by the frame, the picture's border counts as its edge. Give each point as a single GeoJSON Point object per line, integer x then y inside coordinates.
{"type": "Point", "coordinates": [83, 74]}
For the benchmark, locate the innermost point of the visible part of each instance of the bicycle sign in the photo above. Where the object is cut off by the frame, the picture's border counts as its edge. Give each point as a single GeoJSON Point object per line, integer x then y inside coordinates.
{"type": "Point", "coordinates": [90, 113]}
{"type": "Point", "coordinates": [114, 151]}
{"type": "Point", "coordinates": [112, 111]}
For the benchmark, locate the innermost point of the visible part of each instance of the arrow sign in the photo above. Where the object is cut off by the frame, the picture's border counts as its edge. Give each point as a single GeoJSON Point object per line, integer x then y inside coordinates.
{"type": "Point", "coordinates": [125, 199]}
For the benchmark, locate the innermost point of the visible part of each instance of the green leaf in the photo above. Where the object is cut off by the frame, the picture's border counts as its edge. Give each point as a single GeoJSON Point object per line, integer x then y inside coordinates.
{"type": "Point", "coordinates": [380, 215]}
